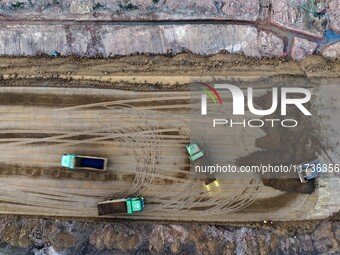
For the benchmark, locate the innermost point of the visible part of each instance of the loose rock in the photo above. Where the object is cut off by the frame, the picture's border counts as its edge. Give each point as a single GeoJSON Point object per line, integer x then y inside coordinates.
{"type": "Point", "coordinates": [331, 51]}
{"type": "Point", "coordinates": [302, 48]}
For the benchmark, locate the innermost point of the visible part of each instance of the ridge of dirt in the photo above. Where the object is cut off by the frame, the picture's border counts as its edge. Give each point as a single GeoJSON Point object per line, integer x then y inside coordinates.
{"type": "Point", "coordinates": [143, 69]}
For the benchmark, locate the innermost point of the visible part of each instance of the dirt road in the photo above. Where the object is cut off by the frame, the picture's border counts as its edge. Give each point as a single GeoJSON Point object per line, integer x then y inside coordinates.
{"type": "Point", "coordinates": [143, 134]}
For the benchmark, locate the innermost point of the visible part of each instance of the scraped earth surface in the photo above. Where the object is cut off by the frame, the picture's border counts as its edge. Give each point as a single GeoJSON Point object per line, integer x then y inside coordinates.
{"type": "Point", "coordinates": [143, 134]}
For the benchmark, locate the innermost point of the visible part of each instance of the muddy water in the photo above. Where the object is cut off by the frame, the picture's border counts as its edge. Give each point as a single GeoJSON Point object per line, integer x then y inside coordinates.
{"type": "Point", "coordinates": [330, 37]}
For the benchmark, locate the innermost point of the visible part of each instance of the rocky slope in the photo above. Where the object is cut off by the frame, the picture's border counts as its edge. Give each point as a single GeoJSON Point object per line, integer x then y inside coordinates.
{"type": "Point", "coordinates": [267, 28]}
{"type": "Point", "coordinates": [41, 236]}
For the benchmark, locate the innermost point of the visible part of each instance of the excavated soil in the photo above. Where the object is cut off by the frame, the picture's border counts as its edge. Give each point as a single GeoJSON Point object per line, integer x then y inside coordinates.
{"type": "Point", "coordinates": [38, 236]}
{"type": "Point", "coordinates": [77, 72]}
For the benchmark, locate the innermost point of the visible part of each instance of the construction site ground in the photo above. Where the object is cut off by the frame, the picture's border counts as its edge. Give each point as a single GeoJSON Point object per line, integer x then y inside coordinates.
{"type": "Point", "coordinates": [134, 111]}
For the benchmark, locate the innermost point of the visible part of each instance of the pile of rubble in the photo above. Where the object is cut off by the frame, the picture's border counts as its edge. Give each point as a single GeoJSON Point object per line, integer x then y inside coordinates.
{"type": "Point", "coordinates": [33, 236]}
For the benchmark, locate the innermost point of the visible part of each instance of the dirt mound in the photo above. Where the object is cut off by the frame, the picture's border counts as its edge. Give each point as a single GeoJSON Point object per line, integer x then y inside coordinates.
{"type": "Point", "coordinates": [291, 185]}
